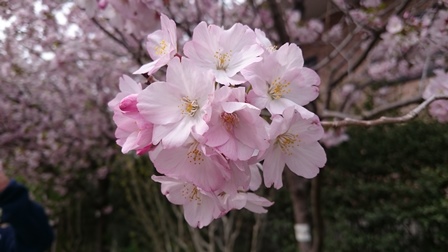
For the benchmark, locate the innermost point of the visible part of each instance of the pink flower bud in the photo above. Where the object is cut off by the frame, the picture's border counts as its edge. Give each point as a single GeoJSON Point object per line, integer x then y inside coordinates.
{"type": "Point", "coordinates": [102, 4]}
{"type": "Point", "coordinates": [129, 104]}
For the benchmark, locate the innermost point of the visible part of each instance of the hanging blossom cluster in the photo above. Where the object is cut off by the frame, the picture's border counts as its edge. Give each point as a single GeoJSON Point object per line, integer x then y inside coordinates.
{"type": "Point", "coordinates": [229, 110]}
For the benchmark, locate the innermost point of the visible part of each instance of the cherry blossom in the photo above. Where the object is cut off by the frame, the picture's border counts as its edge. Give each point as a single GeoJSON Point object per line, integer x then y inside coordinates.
{"type": "Point", "coordinates": [280, 80]}
{"type": "Point", "coordinates": [225, 52]}
{"type": "Point", "coordinates": [231, 130]}
{"type": "Point", "coordinates": [193, 162]}
{"type": "Point", "coordinates": [179, 105]}
{"type": "Point", "coordinates": [294, 143]}
{"type": "Point", "coordinates": [200, 207]}
{"type": "Point", "coordinates": [161, 46]}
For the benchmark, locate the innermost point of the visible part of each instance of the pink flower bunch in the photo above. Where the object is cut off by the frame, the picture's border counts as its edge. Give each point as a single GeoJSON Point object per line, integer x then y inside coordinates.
{"type": "Point", "coordinates": [228, 109]}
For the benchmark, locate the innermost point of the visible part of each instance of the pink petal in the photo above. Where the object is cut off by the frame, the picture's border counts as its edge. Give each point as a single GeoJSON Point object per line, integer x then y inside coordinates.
{"type": "Point", "coordinates": [273, 166]}
{"type": "Point", "coordinates": [159, 103]}
{"type": "Point", "coordinates": [307, 160]}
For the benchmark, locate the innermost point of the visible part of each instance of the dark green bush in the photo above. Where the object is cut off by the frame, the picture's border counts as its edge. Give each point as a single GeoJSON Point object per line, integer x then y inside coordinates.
{"type": "Point", "coordinates": [387, 190]}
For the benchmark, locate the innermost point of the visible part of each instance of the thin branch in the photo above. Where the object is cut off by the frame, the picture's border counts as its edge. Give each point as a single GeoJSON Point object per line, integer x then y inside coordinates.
{"type": "Point", "coordinates": [337, 49]}
{"type": "Point", "coordinates": [338, 115]}
{"type": "Point", "coordinates": [121, 41]}
{"type": "Point", "coordinates": [109, 34]}
{"type": "Point", "coordinates": [391, 106]}
{"type": "Point", "coordinates": [384, 119]}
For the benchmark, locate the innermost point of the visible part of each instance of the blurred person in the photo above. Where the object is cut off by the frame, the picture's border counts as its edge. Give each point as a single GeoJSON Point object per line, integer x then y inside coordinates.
{"type": "Point", "coordinates": [24, 224]}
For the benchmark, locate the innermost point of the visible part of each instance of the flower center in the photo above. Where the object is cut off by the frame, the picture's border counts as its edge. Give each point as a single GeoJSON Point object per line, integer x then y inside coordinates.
{"type": "Point", "coordinates": [190, 107]}
{"type": "Point", "coordinates": [222, 60]}
{"type": "Point", "coordinates": [195, 155]}
{"type": "Point", "coordinates": [272, 48]}
{"type": "Point", "coordinates": [191, 192]}
{"type": "Point", "coordinates": [286, 141]}
{"type": "Point", "coordinates": [278, 88]}
{"type": "Point", "coordinates": [161, 47]}
{"type": "Point", "coordinates": [229, 120]}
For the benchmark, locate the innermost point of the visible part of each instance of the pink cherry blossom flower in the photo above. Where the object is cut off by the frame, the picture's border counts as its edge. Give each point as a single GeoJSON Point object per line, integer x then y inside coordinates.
{"type": "Point", "coordinates": [179, 105]}
{"type": "Point", "coordinates": [236, 129]}
{"type": "Point", "coordinates": [200, 207]}
{"type": "Point", "coordinates": [280, 80]}
{"type": "Point", "coordinates": [161, 46]}
{"type": "Point", "coordinates": [225, 52]}
{"type": "Point", "coordinates": [294, 143]}
{"type": "Point", "coordinates": [193, 162]}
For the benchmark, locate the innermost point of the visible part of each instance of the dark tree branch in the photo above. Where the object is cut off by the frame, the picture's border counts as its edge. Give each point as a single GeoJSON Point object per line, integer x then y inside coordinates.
{"type": "Point", "coordinates": [279, 23]}
{"type": "Point", "coordinates": [121, 42]}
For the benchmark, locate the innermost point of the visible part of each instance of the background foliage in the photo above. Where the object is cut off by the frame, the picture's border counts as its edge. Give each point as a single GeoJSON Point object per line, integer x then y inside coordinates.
{"type": "Point", "coordinates": [386, 190]}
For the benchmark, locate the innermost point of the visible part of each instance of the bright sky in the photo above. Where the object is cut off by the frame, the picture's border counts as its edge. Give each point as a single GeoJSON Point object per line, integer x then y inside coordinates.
{"type": "Point", "coordinates": [3, 24]}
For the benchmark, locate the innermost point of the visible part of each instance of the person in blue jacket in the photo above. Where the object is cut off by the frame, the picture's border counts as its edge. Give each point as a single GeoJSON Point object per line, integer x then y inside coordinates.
{"type": "Point", "coordinates": [24, 224]}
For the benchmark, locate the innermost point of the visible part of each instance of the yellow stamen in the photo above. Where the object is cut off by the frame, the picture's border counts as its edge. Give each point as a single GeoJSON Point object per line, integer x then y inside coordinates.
{"type": "Point", "coordinates": [194, 155]}
{"type": "Point", "coordinates": [190, 107]}
{"type": "Point", "coordinates": [191, 193]}
{"type": "Point", "coordinates": [278, 89]}
{"type": "Point", "coordinates": [161, 48]}
{"type": "Point", "coordinates": [229, 120]}
{"type": "Point", "coordinates": [223, 60]}
{"type": "Point", "coordinates": [286, 141]}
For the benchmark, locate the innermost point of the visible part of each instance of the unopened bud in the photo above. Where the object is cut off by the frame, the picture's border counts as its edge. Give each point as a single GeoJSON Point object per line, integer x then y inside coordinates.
{"type": "Point", "coordinates": [129, 104]}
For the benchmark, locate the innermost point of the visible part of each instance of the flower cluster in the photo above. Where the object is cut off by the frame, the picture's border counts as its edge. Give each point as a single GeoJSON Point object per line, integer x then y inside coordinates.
{"type": "Point", "coordinates": [229, 108]}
